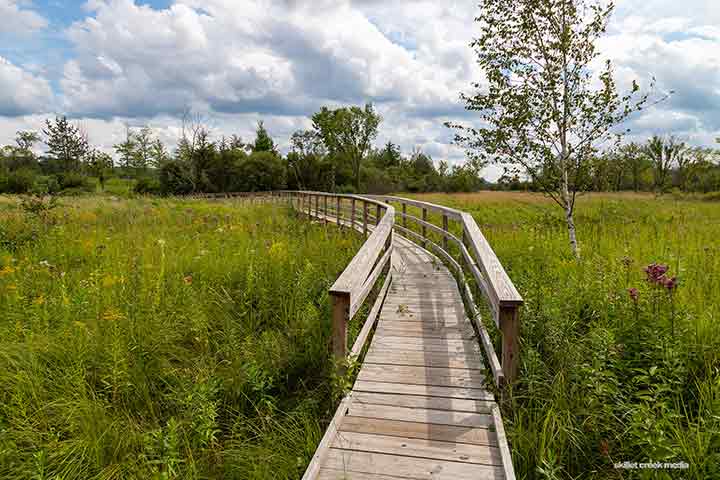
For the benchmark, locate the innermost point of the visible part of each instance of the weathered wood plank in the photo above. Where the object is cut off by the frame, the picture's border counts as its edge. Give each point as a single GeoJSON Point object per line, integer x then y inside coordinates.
{"type": "Point", "coordinates": [430, 359]}
{"type": "Point", "coordinates": [408, 467]}
{"type": "Point", "coordinates": [417, 345]}
{"type": "Point", "coordinates": [441, 333]}
{"type": "Point", "coordinates": [429, 390]}
{"type": "Point", "coordinates": [399, 428]}
{"type": "Point", "coordinates": [417, 447]}
{"type": "Point", "coordinates": [444, 377]}
{"type": "Point", "coordinates": [422, 401]}
{"type": "Point", "coordinates": [424, 415]}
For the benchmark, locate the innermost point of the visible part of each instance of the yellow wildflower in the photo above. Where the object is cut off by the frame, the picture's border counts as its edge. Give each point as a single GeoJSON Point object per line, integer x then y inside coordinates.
{"type": "Point", "coordinates": [39, 300]}
{"type": "Point", "coordinates": [6, 270]}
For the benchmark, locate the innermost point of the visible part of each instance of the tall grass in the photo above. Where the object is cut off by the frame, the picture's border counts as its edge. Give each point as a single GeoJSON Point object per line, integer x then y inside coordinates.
{"type": "Point", "coordinates": [163, 339]}
{"type": "Point", "coordinates": [604, 379]}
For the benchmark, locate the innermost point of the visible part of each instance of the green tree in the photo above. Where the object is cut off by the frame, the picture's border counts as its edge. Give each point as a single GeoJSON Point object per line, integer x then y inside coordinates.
{"type": "Point", "coordinates": [142, 153]}
{"type": "Point", "coordinates": [636, 163]}
{"type": "Point", "coordinates": [390, 156]}
{"type": "Point", "coordinates": [263, 142]}
{"type": "Point", "coordinates": [158, 153]}
{"type": "Point", "coordinates": [126, 150]}
{"type": "Point", "coordinates": [25, 140]}
{"type": "Point", "coordinates": [663, 154]}
{"type": "Point", "coordinates": [100, 164]}
{"type": "Point", "coordinates": [67, 144]}
{"type": "Point", "coordinates": [348, 133]}
{"type": "Point", "coordinates": [304, 161]}
{"type": "Point", "coordinates": [539, 111]}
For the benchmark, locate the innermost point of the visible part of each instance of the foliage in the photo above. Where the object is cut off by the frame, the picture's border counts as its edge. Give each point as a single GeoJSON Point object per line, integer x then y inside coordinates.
{"type": "Point", "coordinates": [67, 143]}
{"type": "Point", "coordinates": [541, 113]}
{"type": "Point", "coordinates": [263, 141]}
{"type": "Point", "coordinates": [19, 181]}
{"type": "Point", "coordinates": [348, 132]}
{"type": "Point", "coordinates": [619, 361]}
{"type": "Point", "coordinates": [152, 338]}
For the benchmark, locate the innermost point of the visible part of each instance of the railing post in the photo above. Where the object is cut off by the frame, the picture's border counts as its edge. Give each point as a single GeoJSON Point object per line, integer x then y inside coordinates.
{"type": "Point", "coordinates": [445, 228]}
{"type": "Point", "coordinates": [325, 202]}
{"type": "Point", "coordinates": [317, 206]}
{"type": "Point", "coordinates": [337, 210]}
{"type": "Point", "coordinates": [352, 214]}
{"type": "Point", "coordinates": [404, 210]}
{"type": "Point", "coordinates": [510, 328]}
{"type": "Point", "coordinates": [424, 228]}
{"type": "Point", "coordinates": [377, 214]}
{"type": "Point", "coordinates": [309, 205]}
{"type": "Point", "coordinates": [341, 309]}
{"type": "Point", "coordinates": [365, 218]}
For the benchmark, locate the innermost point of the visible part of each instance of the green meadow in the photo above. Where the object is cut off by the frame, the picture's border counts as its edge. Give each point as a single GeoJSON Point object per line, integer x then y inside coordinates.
{"type": "Point", "coordinates": [163, 339]}
{"type": "Point", "coordinates": [606, 378]}
{"type": "Point", "coordinates": [169, 338]}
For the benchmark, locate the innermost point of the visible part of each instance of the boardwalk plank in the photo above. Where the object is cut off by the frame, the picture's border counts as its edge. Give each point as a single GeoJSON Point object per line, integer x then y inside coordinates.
{"type": "Point", "coordinates": [428, 431]}
{"type": "Point", "coordinates": [430, 359]}
{"type": "Point", "coordinates": [421, 401]}
{"type": "Point", "coordinates": [425, 415]}
{"type": "Point", "coordinates": [430, 390]}
{"type": "Point", "coordinates": [408, 467]}
{"type": "Point", "coordinates": [443, 377]}
{"type": "Point", "coordinates": [416, 447]}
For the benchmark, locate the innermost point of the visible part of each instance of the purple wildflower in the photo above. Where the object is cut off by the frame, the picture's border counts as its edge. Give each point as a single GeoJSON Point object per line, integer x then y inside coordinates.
{"type": "Point", "coordinates": [655, 272]}
{"type": "Point", "coordinates": [669, 283]}
{"type": "Point", "coordinates": [634, 294]}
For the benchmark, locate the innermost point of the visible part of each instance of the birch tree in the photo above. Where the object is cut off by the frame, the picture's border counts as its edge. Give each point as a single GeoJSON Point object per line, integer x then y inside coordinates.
{"type": "Point", "coordinates": [548, 103]}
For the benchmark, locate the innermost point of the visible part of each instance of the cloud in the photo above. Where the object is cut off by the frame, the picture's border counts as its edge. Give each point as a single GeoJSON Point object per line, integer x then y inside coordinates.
{"type": "Point", "coordinates": [19, 21]}
{"type": "Point", "coordinates": [281, 60]}
{"type": "Point", "coordinates": [22, 92]}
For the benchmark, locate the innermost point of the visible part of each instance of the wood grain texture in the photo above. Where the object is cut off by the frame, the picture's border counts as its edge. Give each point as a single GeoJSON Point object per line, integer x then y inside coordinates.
{"type": "Point", "coordinates": [420, 405]}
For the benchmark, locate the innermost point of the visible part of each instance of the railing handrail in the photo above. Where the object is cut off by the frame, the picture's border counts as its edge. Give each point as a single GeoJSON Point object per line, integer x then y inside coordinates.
{"type": "Point", "coordinates": [354, 284]}
{"type": "Point", "coordinates": [490, 276]}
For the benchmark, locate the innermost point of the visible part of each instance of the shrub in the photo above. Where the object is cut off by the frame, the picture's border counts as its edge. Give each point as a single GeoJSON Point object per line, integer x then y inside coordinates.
{"type": "Point", "coordinates": [148, 186]}
{"type": "Point", "coordinates": [75, 181]}
{"type": "Point", "coordinates": [20, 181]}
{"type": "Point", "coordinates": [175, 178]}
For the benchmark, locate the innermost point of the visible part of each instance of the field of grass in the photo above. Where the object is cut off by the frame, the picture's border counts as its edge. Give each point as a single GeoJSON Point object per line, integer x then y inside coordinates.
{"type": "Point", "coordinates": [604, 378]}
{"type": "Point", "coordinates": [163, 339]}
{"type": "Point", "coordinates": [145, 338]}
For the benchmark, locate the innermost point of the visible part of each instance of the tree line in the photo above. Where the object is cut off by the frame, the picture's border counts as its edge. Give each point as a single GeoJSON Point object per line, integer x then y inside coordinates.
{"type": "Point", "coordinates": [658, 165]}
{"type": "Point", "coordinates": [337, 154]}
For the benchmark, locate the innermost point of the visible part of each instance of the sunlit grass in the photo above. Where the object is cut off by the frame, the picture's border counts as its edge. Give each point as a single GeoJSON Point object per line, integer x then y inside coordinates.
{"type": "Point", "coordinates": [603, 381]}
{"type": "Point", "coordinates": [164, 339]}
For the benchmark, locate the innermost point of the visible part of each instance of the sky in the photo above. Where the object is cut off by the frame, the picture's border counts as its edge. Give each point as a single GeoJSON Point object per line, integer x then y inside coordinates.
{"type": "Point", "coordinates": [111, 63]}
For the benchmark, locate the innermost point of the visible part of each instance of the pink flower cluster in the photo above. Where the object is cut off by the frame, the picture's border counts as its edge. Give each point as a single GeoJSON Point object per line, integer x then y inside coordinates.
{"type": "Point", "coordinates": [634, 294]}
{"type": "Point", "coordinates": [657, 274]}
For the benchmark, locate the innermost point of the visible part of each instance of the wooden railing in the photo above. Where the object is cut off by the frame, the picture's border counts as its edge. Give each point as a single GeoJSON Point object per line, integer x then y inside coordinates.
{"type": "Point", "coordinates": [352, 288]}
{"type": "Point", "coordinates": [476, 263]}
{"type": "Point", "coordinates": [476, 258]}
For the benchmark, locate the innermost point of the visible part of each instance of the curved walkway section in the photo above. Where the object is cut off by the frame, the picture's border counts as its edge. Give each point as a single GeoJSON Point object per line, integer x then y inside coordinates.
{"type": "Point", "coordinates": [419, 408]}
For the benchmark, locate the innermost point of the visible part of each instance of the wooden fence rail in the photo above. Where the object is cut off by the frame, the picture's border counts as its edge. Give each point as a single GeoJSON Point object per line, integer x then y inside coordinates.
{"type": "Point", "coordinates": [478, 260]}
{"type": "Point", "coordinates": [476, 264]}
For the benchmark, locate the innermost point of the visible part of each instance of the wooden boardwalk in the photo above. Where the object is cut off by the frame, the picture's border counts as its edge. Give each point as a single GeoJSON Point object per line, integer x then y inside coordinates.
{"type": "Point", "coordinates": [419, 408]}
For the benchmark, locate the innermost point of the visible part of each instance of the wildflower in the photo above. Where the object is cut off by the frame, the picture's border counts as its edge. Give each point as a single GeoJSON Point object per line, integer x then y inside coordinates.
{"type": "Point", "coordinates": [39, 300]}
{"type": "Point", "coordinates": [6, 270]}
{"type": "Point", "coordinates": [634, 294]}
{"type": "Point", "coordinates": [655, 272]}
{"type": "Point", "coordinates": [604, 448]}
{"type": "Point", "coordinates": [669, 283]}
{"type": "Point", "coordinates": [188, 279]}
{"type": "Point", "coordinates": [161, 242]}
